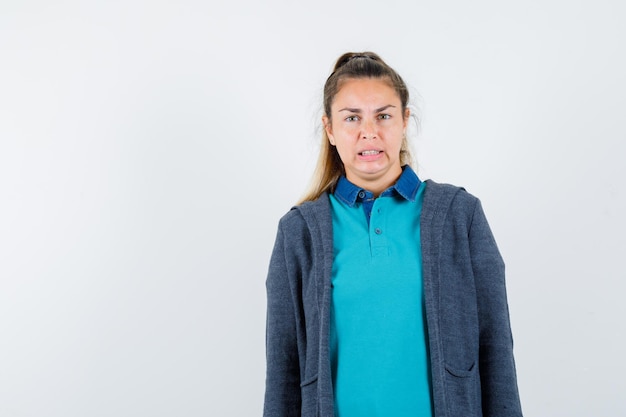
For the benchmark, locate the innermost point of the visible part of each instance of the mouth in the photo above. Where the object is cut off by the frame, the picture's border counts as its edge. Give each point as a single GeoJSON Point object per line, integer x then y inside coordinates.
{"type": "Point", "coordinates": [369, 153]}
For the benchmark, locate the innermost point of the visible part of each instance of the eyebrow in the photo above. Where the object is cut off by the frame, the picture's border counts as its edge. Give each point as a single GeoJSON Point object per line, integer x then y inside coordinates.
{"type": "Point", "coordinates": [354, 110]}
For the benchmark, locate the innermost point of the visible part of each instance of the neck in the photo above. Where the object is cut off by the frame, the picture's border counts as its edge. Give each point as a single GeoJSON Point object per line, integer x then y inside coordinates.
{"type": "Point", "coordinates": [377, 185]}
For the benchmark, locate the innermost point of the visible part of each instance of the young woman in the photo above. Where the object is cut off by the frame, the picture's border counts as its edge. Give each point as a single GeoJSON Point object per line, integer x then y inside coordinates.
{"type": "Point", "coordinates": [386, 294]}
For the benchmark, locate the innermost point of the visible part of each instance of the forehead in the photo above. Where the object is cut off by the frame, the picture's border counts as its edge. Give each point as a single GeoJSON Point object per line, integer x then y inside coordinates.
{"type": "Point", "coordinates": [365, 91]}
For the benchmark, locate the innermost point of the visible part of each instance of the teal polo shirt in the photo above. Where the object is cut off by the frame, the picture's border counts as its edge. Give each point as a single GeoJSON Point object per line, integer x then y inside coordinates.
{"type": "Point", "coordinates": [378, 342]}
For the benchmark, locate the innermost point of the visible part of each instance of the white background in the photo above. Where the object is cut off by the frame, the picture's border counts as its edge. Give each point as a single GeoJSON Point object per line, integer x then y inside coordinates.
{"type": "Point", "coordinates": [148, 149]}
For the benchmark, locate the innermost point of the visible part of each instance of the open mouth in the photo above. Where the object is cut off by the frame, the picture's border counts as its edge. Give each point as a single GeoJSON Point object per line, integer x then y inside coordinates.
{"type": "Point", "coordinates": [369, 153]}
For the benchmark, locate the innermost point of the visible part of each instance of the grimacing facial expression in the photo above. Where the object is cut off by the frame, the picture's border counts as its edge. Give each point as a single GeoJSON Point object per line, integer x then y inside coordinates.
{"type": "Point", "coordinates": [367, 127]}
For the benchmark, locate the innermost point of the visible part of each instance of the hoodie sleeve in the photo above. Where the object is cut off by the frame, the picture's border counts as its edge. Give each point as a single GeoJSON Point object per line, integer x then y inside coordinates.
{"type": "Point", "coordinates": [282, 389]}
{"type": "Point", "coordinates": [497, 366]}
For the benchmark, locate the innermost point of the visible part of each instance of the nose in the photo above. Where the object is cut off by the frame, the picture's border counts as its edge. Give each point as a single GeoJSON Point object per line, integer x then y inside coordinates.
{"type": "Point", "coordinates": [368, 130]}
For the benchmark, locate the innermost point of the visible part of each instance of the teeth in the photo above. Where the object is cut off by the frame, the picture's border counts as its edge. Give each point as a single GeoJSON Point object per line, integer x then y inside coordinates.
{"type": "Point", "coordinates": [366, 153]}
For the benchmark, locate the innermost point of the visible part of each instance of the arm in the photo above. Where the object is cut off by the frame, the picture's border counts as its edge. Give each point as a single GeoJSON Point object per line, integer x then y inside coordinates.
{"type": "Point", "coordinates": [282, 388]}
{"type": "Point", "coordinates": [497, 367]}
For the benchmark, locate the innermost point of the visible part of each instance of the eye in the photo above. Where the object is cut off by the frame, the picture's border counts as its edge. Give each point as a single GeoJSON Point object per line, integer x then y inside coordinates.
{"type": "Point", "coordinates": [384, 116]}
{"type": "Point", "coordinates": [352, 118]}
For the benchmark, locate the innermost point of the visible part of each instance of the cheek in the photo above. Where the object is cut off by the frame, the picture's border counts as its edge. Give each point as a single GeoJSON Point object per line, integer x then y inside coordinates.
{"type": "Point", "coordinates": [341, 149]}
{"type": "Point", "coordinates": [345, 134]}
{"type": "Point", "coordinates": [344, 150]}
{"type": "Point", "coordinates": [397, 142]}
{"type": "Point", "coordinates": [344, 137]}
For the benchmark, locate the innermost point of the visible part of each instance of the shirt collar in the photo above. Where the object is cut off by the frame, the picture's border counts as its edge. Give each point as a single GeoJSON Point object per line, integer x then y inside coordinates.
{"type": "Point", "coordinates": [406, 186]}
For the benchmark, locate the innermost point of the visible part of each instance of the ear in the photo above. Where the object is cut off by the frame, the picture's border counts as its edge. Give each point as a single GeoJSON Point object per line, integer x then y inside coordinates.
{"type": "Point", "coordinates": [407, 114]}
{"type": "Point", "coordinates": [329, 129]}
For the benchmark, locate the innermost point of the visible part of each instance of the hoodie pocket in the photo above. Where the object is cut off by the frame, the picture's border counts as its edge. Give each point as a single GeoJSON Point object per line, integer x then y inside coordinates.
{"type": "Point", "coordinates": [461, 373]}
{"type": "Point", "coordinates": [308, 390]}
{"type": "Point", "coordinates": [463, 391]}
{"type": "Point", "coordinates": [308, 381]}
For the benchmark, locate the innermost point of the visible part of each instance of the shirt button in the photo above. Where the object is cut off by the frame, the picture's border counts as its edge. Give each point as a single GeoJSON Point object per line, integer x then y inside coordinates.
{"type": "Point", "coordinates": [377, 231]}
{"type": "Point", "coordinates": [362, 194]}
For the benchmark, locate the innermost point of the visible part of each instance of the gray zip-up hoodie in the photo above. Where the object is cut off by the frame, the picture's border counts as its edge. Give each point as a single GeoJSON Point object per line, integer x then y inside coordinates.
{"type": "Point", "coordinates": [471, 347]}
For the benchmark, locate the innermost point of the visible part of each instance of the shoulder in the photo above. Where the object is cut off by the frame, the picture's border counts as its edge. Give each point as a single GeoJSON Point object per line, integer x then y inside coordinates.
{"type": "Point", "coordinates": [306, 230]}
{"type": "Point", "coordinates": [307, 215]}
{"type": "Point", "coordinates": [441, 197]}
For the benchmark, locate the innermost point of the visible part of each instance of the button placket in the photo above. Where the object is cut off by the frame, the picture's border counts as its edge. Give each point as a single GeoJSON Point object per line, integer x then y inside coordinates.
{"type": "Point", "coordinates": [378, 240]}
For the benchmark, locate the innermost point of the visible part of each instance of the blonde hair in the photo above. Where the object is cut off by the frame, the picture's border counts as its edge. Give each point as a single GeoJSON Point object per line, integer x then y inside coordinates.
{"type": "Point", "coordinates": [351, 65]}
